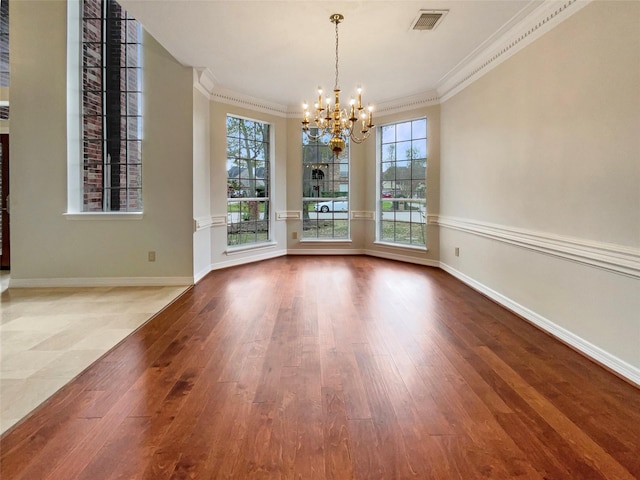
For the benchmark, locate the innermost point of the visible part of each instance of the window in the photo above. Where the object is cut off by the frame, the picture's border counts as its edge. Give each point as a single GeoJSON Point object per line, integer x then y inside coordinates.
{"type": "Point", "coordinates": [325, 191]}
{"type": "Point", "coordinates": [248, 181]}
{"type": "Point", "coordinates": [111, 109]}
{"type": "Point", "coordinates": [403, 183]}
{"type": "Point", "coordinates": [4, 58]}
{"type": "Point", "coordinates": [4, 43]}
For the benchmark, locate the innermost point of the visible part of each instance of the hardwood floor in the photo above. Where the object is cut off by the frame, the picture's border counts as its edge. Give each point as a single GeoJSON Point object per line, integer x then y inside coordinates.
{"type": "Point", "coordinates": [333, 368]}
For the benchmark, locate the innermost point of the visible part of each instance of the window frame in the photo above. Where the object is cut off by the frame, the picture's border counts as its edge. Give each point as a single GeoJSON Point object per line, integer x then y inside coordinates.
{"type": "Point", "coordinates": [268, 198]}
{"type": "Point", "coordinates": [338, 178]}
{"type": "Point", "coordinates": [422, 202]}
{"type": "Point", "coordinates": [76, 185]}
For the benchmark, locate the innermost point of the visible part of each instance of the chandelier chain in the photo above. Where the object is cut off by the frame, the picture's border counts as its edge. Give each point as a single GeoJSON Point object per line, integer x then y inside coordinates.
{"type": "Point", "coordinates": [338, 122]}
{"type": "Point", "coordinates": [336, 84]}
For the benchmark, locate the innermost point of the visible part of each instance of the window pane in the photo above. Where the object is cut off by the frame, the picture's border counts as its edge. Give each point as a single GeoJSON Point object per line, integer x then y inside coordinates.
{"type": "Point", "coordinates": [111, 123]}
{"type": "Point", "coordinates": [419, 128]}
{"type": "Point", "coordinates": [403, 131]}
{"type": "Point", "coordinates": [247, 177]}
{"type": "Point", "coordinates": [325, 190]}
{"type": "Point", "coordinates": [403, 185]}
{"type": "Point", "coordinates": [388, 134]}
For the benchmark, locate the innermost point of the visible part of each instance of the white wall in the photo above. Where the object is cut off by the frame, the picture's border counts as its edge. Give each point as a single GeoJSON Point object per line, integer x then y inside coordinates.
{"type": "Point", "coordinates": [540, 183]}
{"type": "Point", "coordinates": [201, 182]}
{"type": "Point", "coordinates": [49, 249]}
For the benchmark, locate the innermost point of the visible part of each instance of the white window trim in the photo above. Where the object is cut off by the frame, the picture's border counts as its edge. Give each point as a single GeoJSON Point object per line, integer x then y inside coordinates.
{"type": "Point", "coordinates": [270, 242]}
{"type": "Point", "coordinates": [378, 218]}
{"type": "Point", "coordinates": [74, 106]}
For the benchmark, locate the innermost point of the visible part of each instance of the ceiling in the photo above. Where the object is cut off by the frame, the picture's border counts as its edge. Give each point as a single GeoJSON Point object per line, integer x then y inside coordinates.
{"type": "Point", "coordinates": [281, 51]}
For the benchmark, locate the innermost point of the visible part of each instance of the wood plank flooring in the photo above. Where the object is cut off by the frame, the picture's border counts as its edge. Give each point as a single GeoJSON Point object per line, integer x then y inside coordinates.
{"type": "Point", "coordinates": [333, 368]}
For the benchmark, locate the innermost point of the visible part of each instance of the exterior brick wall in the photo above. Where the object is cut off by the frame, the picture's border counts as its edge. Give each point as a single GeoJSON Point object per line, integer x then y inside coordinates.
{"type": "Point", "coordinates": [111, 104]}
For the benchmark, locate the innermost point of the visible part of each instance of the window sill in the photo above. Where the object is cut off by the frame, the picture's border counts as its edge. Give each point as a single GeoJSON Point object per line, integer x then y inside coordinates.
{"type": "Point", "coordinates": [104, 216]}
{"type": "Point", "coordinates": [402, 246]}
{"type": "Point", "coordinates": [253, 246]}
{"type": "Point", "coordinates": [327, 240]}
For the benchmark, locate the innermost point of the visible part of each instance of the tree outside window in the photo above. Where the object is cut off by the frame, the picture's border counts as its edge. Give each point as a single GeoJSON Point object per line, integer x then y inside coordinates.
{"type": "Point", "coordinates": [248, 167]}
{"type": "Point", "coordinates": [403, 183]}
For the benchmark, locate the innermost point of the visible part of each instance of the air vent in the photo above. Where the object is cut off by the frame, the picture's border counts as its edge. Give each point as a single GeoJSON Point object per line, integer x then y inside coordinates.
{"type": "Point", "coordinates": [428, 19]}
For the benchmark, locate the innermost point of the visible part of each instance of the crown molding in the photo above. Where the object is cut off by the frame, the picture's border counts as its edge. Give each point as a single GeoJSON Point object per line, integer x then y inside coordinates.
{"type": "Point", "coordinates": [224, 95]}
{"type": "Point", "coordinates": [547, 16]}
{"type": "Point", "coordinates": [204, 81]}
{"type": "Point", "coordinates": [407, 103]}
{"type": "Point", "coordinates": [524, 32]}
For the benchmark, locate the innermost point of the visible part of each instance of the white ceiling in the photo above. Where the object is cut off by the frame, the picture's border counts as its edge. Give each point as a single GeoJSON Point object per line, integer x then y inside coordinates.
{"type": "Point", "coordinates": [280, 51]}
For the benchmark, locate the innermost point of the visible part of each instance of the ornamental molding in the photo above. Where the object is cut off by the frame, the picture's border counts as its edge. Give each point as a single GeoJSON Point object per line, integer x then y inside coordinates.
{"type": "Point", "coordinates": [407, 103]}
{"type": "Point", "coordinates": [362, 215]}
{"type": "Point", "coordinates": [201, 223]}
{"type": "Point", "coordinates": [223, 95]}
{"type": "Point", "coordinates": [289, 215]}
{"type": "Point", "coordinates": [547, 16]}
{"type": "Point", "coordinates": [606, 256]}
{"type": "Point", "coordinates": [204, 81]}
{"type": "Point", "coordinates": [521, 34]}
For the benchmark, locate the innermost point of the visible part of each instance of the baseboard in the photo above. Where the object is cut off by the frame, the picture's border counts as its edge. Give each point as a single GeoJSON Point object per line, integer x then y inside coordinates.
{"type": "Point", "coordinates": [325, 251]}
{"type": "Point", "coordinates": [237, 260]}
{"type": "Point", "coordinates": [101, 282]}
{"type": "Point", "coordinates": [604, 358]}
{"type": "Point", "coordinates": [402, 258]}
{"type": "Point", "coordinates": [201, 274]}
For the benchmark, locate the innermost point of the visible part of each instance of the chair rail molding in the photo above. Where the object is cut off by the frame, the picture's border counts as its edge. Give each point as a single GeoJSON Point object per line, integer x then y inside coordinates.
{"type": "Point", "coordinates": [614, 258]}
{"type": "Point", "coordinates": [201, 223]}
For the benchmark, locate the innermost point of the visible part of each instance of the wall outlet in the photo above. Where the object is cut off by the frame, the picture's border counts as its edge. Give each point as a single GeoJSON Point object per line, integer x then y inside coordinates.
{"type": "Point", "coordinates": [294, 235]}
{"type": "Point", "coordinates": [152, 256]}
{"type": "Point", "coordinates": [457, 251]}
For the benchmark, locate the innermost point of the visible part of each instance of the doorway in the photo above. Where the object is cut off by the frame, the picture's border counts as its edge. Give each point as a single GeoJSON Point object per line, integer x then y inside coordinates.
{"type": "Point", "coordinates": [5, 249]}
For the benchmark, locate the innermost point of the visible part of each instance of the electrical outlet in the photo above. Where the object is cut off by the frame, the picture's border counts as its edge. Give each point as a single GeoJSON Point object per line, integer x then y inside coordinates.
{"type": "Point", "coordinates": [152, 256]}
{"type": "Point", "coordinates": [457, 251]}
{"type": "Point", "coordinates": [294, 235]}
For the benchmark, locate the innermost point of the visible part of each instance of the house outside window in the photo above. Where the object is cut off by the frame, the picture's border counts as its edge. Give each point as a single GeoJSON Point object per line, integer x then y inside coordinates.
{"type": "Point", "coordinates": [325, 191]}
{"type": "Point", "coordinates": [248, 181]}
{"type": "Point", "coordinates": [111, 108]}
{"type": "Point", "coordinates": [402, 186]}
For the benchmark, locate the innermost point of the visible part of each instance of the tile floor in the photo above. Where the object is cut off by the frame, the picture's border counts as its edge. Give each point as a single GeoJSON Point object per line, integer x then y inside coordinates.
{"type": "Point", "coordinates": [49, 335]}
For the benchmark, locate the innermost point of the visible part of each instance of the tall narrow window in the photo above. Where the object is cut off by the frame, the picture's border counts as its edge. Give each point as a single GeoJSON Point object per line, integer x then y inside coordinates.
{"type": "Point", "coordinates": [248, 181]}
{"type": "Point", "coordinates": [111, 108]}
{"type": "Point", "coordinates": [403, 183]}
{"type": "Point", "coordinates": [4, 47]}
{"type": "Point", "coordinates": [325, 191]}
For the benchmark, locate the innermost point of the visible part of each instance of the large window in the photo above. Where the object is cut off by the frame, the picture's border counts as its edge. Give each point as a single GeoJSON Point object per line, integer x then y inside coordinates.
{"type": "Point", "coordinates": [248, 186]}
{"type": "Point", "coordinates": [403, 183]}
{"type": "Point", "coordinates": [4, 59]}
{"type": "Point", "coordinates": [111, 108]}
{"type": "Point", "coordinates": [325, 191]}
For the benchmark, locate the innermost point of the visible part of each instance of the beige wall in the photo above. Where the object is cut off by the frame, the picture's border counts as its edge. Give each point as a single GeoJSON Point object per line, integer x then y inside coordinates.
{"type": "Point", "coordinates": [44, 243]}
{"type": "Point", "coordinates": [547, 143]}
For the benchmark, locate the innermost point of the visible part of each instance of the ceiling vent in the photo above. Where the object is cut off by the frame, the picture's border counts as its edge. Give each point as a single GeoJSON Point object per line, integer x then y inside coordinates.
{"type": "Point", "coordinates": [428, 19]}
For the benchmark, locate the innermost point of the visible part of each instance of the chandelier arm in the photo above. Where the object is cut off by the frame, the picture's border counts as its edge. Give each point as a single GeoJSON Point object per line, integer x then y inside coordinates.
{"type": "Point", "coordinates": [357, 139]}
{"type": "Point", "coordinates": [337, 123]}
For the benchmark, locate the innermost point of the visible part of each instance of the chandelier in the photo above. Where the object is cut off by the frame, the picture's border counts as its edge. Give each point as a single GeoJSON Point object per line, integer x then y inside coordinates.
{"type": "Point", "coordinates": [335, 121]}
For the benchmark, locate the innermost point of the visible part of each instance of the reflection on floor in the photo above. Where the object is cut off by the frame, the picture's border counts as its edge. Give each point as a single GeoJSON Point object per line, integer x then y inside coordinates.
{"type": "Point", "coordinates": [49, 335]}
